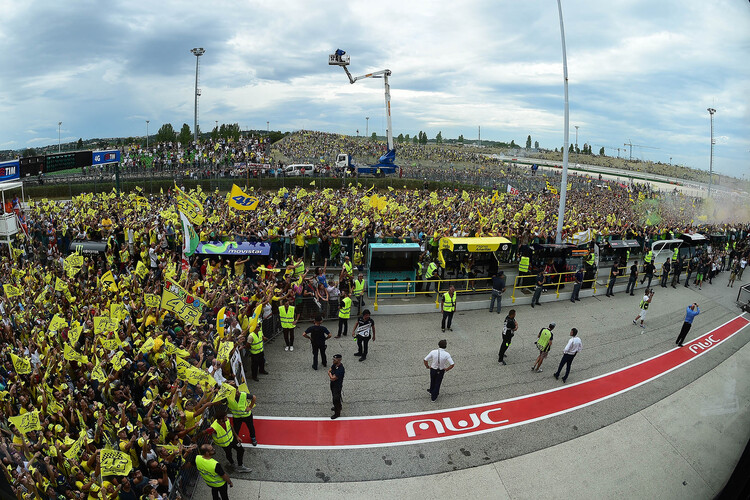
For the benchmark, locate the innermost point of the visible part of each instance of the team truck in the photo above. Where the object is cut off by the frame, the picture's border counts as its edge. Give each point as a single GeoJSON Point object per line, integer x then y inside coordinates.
{"type": "Point", "coordinates": [385, 165]}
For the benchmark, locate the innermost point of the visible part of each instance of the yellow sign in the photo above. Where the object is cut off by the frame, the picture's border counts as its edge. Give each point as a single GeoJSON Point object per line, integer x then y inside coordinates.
{"type": "Point", "coordinates": [192, 209]}
{"type": "Point", "coordinates": [75, 449]}
{"type": "Point", "coordinates": [103, 324]}
{"type": "Point", "coordinates": [114, 463]}
{"type": "Point", "coordinates": [57, 323]}
{"type": "Point", "coordinates": [71, 355]}
{"type": "Point", "coordinates": [185, 306]}
{"type": "Point", "coordinates": [151, 300]}
{"type": "Point", "coordinates": [74, 260]}
{"type": "Point", "coordinates": [112, 344]}
{"type": "Point", "coordinates": [22, 365]}
{"type": "Point", "coordinates": [12, 291]}
{"type": "Point", "coordinates": [60, 285]}
{"type": "Point", "coordinates": [225, 348]}
{"type": "Point", "coordinates": [141, 270]}
{"type": "Point", "coordinates": [27, 422]}
{"type": "Point", "coordinates": [75, 332]}
{"type": "Point", "coordinates": [172, 349]}
{"type": "Point", "coordinates": [98, 372]}
{"type": "Point", "coordinates": [108, 280]}
{"type": "Point", "coordinates": [241, 201]}
{"type": "Point", "coordinates": [117, 311]}
{"type": "Point", "coordinates": [226, 391]}
{"type": "Point", "coordinates": [196, 376]}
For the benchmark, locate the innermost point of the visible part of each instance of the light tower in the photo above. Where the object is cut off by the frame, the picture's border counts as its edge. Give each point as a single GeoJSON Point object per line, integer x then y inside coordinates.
{"type": "Point", "coordinates": [566, 135]}
{"type": "Point", "coordinates": [147, 133]}
{"type": "Point", "coordinates": [197, 52]}
{"type": "Point", "coordinates": [711, 112]}
{"type": "Point", "coordinates": [367, 126]}
{"type": "Point", "coordinates": [59, 124]}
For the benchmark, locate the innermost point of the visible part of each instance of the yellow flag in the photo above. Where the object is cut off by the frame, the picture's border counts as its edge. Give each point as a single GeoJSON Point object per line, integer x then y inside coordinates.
{"type": "Point", "coordinates": [22, 365]}
{"type": "Point", "coordinates": [226, 391]}
{"type": "Point", "coordinates": [192, 208]}
{"type": "Point", "coordinates": [71, 355]}
{"type": "Point", "coordinates": [241, 201]}
{"type": "Point", "coordinates": [114, 463]}
{"type": "Point", "coordinates": [27, 422]}
{"type": "Point", "coordinates": [12, 291]}
{"type": "Point", "coordinates": [60, 285]}
{"type": "Point", "coordinates": [151, 300]}
{"type": "Point", "coordinates": [106, 279]}
{"type": "Point", "coordinates": [141, 270]}
{"type": "Point", "coordinates": [75, 449]}
{"type": "Point", "coordinates": [224, 349]}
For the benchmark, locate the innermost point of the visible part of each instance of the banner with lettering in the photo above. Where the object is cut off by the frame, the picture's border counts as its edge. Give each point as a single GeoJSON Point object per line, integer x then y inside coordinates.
{"type": "Point", "coordinates": [186, 307]}
{"type": "Point", "coordinates": [27, 422]}
{"type": "Point", "coordinates": [114, 463]}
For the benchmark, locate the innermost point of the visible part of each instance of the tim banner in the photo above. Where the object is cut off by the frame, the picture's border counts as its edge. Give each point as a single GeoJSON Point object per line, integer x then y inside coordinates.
{"type": "Point", "coordinates": [104, 157]}
{"type": "Point", "coordinates": [10, 170]}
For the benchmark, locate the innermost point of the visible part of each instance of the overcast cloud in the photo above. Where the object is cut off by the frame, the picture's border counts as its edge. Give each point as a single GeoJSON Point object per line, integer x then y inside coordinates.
{"type": "Point", "coordinates": [639, 70]}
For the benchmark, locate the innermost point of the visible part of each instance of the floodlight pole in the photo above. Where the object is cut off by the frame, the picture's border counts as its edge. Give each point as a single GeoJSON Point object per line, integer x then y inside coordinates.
{"type": "Point", "coordinates": [564, 180]}
{"type": "Point", "coordinates": [147, 133]}
{"type": "Point", "coordinates": [711, 112]}
{"type": "Point", "coordinates": [59, 124]}
{"type": "Point", "coordinates": [197, 52]}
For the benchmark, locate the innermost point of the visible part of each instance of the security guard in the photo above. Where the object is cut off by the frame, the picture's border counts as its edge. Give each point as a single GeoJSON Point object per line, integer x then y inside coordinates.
{"type": "Point", "coordinates": [225, 437]}
{"type": "Point", "coordinates": [448, 307]}
{"type": "Point", "coordinates": [345, 309]}
{"type": "Point", "coordinates": [358, 257]}
{"type": "Point", "coordinates": [347, 273]}
{"type": "Point", "coordinates": [241, 405]}
{"type": "Point", "coordinates": [288, 322]}
{"type": "Point", "coordinates": [649, 257]}
{"type": "Point", "coordinates": [212, 472]}
{"type": "Point", "coordinates": [675, 254]}
{"type": "Point", "coordinates": [257, 358]}
{"type": "Point", "coordinates": [359, 292]}
{"type": "Point", "coordinates": [523, 265]}
{"type": "Point", "coordinates": [431, 275]}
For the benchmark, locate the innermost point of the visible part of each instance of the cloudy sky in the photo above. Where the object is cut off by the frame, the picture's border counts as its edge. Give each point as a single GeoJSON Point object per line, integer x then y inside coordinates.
{"type": "Point", "coordinates": [640, 71]}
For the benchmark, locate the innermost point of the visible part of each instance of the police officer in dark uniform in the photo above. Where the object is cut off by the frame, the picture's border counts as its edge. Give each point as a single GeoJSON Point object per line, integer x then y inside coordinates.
{"type": "Point", "coordinates": [336, 374]}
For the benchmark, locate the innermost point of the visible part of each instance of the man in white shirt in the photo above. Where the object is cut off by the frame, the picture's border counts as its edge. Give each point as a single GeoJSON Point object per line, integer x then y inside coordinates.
{"type": "Point", "coordinates": [573, 347]}
{"type": "Point", "coordinates": [438, 362]}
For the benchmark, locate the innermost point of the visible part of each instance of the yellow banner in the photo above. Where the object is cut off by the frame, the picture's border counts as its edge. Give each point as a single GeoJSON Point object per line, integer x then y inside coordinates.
{"type": "Point", "coordinates": [141, 270]}
{"type": "Point", "coordinates": [103, 324]}
{"type": "Point", "coordinates": [12, 291]}
{"type": "Point", "coordinates": [151, 300]}
{"type": "Point", "coordinates": [196, 376]}
{"type": "Point", "coordinates": [75, 332]}
{"type": "Point", "coordinates": [71, 355]}
{"type": "Point", "coordinates": [21, 365]}
{"type": "Point", "coordinates": [114, 463]}
{"type": "Point", "coordinates": [60, 285]}
{"type": "Point", "coordinates": [98, 372]}
{"type": "Point", "coordinates": [57, 323]}
{"type": "Point", "coordinates": [240, 200]}
{"type": "Point", "coordinates": [226, 391]}
{"type": "Point", "coordinates": [74, 260]}
{"type": "Point", "coordinates": [117, 311]}
{"type": "Point", "coordinates": [192, 209]}
{"type": "Point", "coordinates": [108, 280]}
{"type": "Point", "coordinates": [172, 349]}
{"type": "Point", "coordinates": [75, 449]}
{"type": "Point", "coordinates": [185, 306]}
{"type": "Point", "coordinates": [225, 348]}
{"type": "Point", "coordinates": [27, 422]}
{"type": "Point", "coordinates": [112, 344]}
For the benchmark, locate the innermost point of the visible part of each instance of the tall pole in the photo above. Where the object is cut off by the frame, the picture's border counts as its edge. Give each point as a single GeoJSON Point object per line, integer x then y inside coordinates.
{"type": "Point", "coordinates": [367, 126]}
{"type": "Point", "coordinates": [197, 52]}
{"type": "Point", "coordinates": [479, 134]}
{"type": "Point", "coordinates": [576, 126]}
{"type": "Point", "coordinates": [268, 127]}
{"type": "Point", "coordinates": [147, 133]}
{"type": "Point", "coordinates": [389, 132]}
{"type": "Point", "coordinates": [59, 124]}
{"type": "Point", "coordinates": [564, 180]}
{"type": "Point", "coordinates": [711, 112]}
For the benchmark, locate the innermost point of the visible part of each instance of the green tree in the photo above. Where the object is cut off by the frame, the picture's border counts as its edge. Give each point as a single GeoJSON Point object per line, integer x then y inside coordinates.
{"type": "Point", "coordinates": [400, 138]}
{"type": "Point", "coordinates": [461, 138]}
{"type": "Point", "coordinates": [166, 133]}
{"type": "Point", "coordinates": [185, 135]}
{"type": "Point", "coordinates": [578, 150]}
{"type": "Point", "coordinates": [79, 145]}
{"type": "Point", "coordinates": [555, 150]}
{"type": "Point", "coordinates": [528, 142]}
{"type": "Point", "coordinates": [423, 140]}
{"type": "Point", "coordinates": [439, 137]}
{"type": "Point", "coordinates": [28, 152]}
{"type": "Point", "coordinates": [570, 149]}
{"type": "Point", "coordinates": [374, 136]}
{"type": "Point", "coordinates": [513, 143]}
{"type": "Point", "coordinates": [414, 139]}
{"type": "Point", "coordinates": [536, 144]}
{"type": "Point", "coordinates": [601, 151]}
{"type": "Point", "coordinates": [215, 133]}
{"type": "Point", "coordinates": [407, 138]}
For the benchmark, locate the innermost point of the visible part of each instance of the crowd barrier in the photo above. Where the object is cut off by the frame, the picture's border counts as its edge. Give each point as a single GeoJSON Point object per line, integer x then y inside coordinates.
{"type": "Point", "coordinates": [413, 288]}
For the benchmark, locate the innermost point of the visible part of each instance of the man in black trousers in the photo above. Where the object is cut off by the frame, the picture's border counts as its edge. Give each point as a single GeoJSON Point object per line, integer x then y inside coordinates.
{"type": "Point", "coordinates": [336, 375]}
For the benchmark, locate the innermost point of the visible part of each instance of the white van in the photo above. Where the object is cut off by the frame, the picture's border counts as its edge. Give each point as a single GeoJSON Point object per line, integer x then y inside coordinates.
{"type": "Point", "coordinates": [297, 170]}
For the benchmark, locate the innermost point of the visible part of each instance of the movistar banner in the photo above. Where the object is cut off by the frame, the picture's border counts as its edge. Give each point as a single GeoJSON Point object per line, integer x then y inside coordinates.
{"type": "Point", "coordinates": [233, 248]}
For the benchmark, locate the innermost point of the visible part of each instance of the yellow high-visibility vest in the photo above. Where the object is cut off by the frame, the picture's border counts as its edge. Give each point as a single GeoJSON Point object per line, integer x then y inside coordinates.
{"type": "Point", "coordinates": [346, 308]}
{"type": "Point", "coordinates": [523, 265]}
{"type": "Point", "coordinates": [449, 303]}
{"type": "Point", "coordinates": [207, 469]}
{"type": "Point", "coordinates": [222, 436]}
{"type": "Point", "coordinates": [256, 342]}
{"type": "Point", "coordinates": [241, 408]}
{"type": "Point", "coordinates": [287, 316]}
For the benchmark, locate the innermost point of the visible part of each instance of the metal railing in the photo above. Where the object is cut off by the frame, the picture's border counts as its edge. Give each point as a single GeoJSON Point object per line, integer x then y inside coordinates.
{"type": "Point", "coordinates": [549, 284]}
{"type": "Point", "coordinates": [418, 287]}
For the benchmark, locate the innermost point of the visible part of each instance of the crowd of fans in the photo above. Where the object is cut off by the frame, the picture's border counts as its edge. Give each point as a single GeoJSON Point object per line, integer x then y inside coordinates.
{"type": "Point", "coordinates": [124, 386]}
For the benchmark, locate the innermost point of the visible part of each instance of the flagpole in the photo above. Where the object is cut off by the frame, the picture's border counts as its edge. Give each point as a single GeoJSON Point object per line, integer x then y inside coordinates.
{"type": "Point", "coordinates": [564, 180]}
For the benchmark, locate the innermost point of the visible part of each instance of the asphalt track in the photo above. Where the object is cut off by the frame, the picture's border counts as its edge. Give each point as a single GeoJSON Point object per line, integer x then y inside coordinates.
{"type": "Point", "coordinates": [621, 370]}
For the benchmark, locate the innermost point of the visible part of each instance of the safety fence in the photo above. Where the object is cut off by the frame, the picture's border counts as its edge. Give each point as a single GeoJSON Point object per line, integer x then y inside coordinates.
{"type": "Point", "coordinates": [413, 288]}
{"type": "Point", "coordinates": [186, 475]}
{"type": "Point", "coordinates": [743, 298]}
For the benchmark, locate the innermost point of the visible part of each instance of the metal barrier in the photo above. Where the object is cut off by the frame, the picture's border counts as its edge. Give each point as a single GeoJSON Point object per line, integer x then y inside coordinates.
{"type": "Point", "coordinates": [414, 287]}
{"type": "Point", "coordinates": [185, 482]}
{"type": "Point", "coordinates": [547, 285]}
